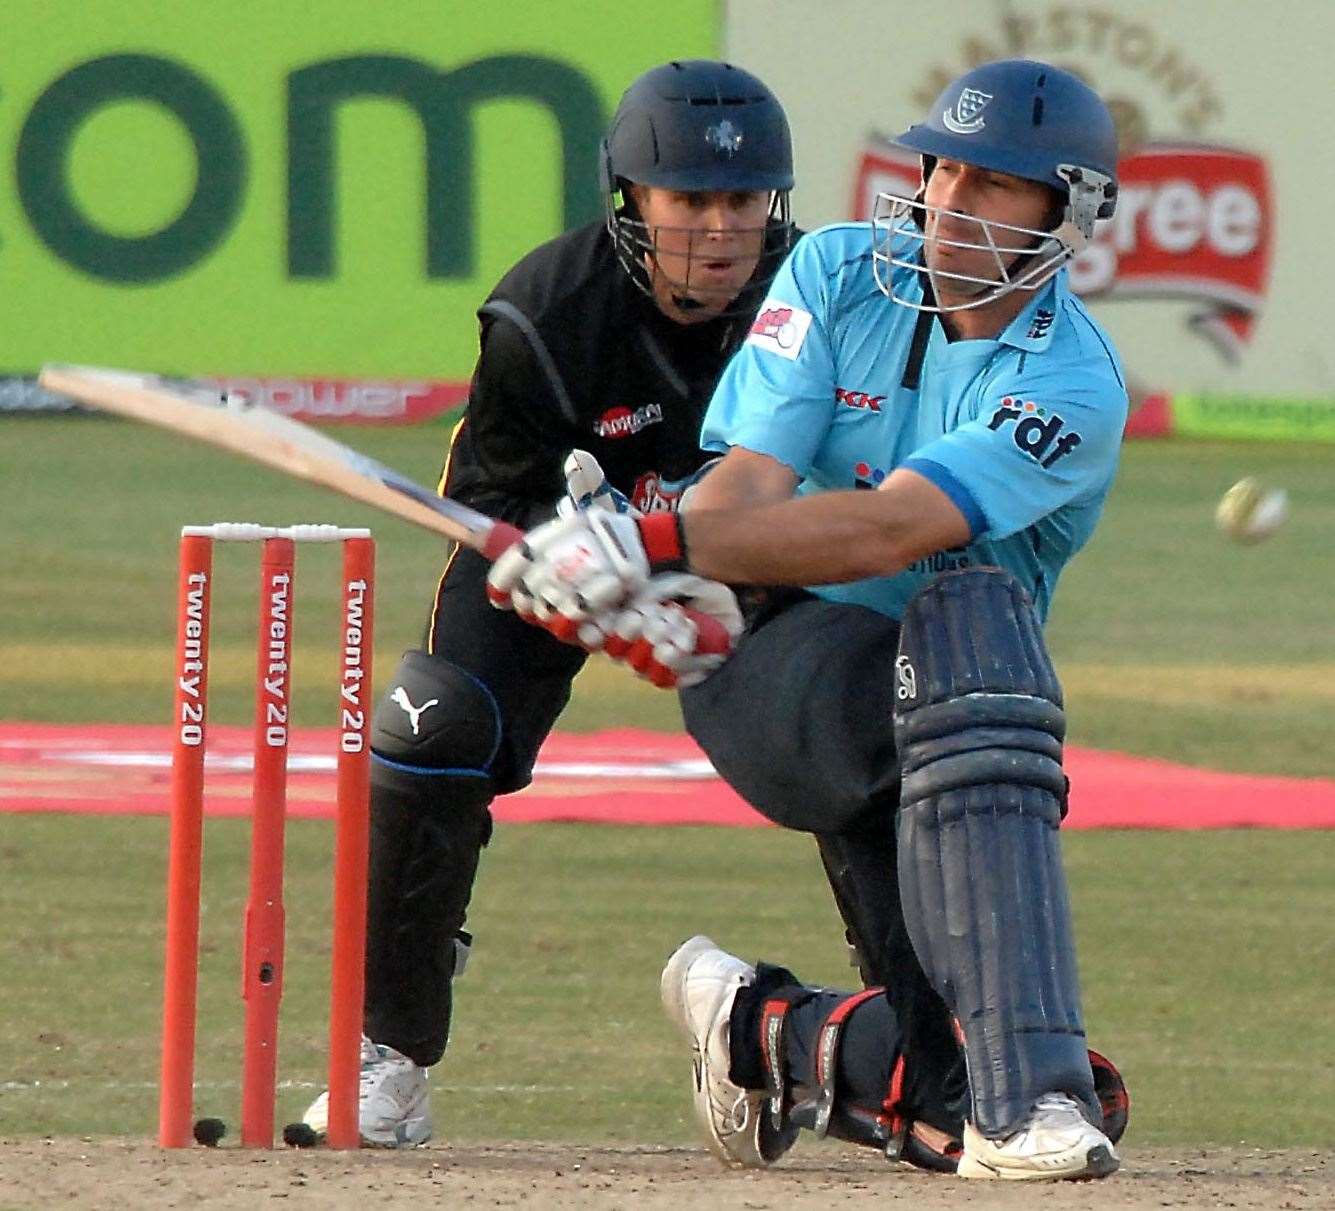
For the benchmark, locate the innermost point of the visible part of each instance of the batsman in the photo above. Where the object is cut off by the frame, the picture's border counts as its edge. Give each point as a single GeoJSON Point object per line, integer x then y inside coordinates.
{"type": "Point", "coordinates": [922, 425]}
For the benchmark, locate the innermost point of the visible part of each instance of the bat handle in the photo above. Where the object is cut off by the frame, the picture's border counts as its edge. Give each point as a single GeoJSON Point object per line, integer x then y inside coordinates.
{"type": "Point", "coordinates": [711, 635]}
{"type": "Point", "coordinates": [500, 538]}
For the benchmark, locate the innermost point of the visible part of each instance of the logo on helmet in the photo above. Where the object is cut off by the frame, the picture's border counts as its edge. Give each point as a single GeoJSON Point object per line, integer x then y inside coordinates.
{"type": "Point", "coordinates": [965, 118]}
{"type": "Point", "coordinates": [725, 138]}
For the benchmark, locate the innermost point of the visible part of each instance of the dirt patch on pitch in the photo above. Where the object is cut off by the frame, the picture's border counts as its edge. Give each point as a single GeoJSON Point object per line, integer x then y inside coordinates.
{"type": "Point", "coordinates": [102, 1173]}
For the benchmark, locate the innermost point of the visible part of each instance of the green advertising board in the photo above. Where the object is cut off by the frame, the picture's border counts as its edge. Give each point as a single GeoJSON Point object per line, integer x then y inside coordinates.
{"type": "Point", "coordinates": [314, 190]}
{"type": "Point", "coordinates": [1254, 418]}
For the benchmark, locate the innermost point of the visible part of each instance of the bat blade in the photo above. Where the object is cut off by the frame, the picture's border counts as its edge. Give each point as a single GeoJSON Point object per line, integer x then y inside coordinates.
{"type": "Point", "coordinates": [263, 436]}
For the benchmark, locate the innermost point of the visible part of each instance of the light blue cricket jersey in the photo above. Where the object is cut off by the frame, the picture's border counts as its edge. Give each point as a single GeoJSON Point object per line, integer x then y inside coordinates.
{"type": "Point", "coordinates": [1021, 432]}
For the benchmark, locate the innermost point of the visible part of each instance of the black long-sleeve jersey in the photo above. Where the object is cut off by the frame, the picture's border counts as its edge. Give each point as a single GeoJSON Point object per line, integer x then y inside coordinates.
{"type": "Point", "coordinates": [573, 355]}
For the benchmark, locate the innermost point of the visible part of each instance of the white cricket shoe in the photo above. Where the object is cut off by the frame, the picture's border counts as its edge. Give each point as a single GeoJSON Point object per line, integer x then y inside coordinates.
{"type": "Point", "coordinates": [1055, 1143]}
{"type": "Point", "coordinates": [699, 985]}
{"type": "Point", "coordinates": [393, 1111]}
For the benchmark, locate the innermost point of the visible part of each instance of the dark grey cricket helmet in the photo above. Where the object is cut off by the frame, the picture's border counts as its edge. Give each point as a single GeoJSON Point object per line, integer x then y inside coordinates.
{"type": "Point", "coordinates": [696, 125]}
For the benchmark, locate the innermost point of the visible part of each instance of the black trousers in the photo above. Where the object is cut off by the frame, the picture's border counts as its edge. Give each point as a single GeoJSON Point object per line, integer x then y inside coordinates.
{"type": "Point", "coordinates": [799, 721]}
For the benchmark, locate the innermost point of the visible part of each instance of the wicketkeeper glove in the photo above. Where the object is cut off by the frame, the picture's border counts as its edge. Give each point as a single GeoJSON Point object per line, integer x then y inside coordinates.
{"type": "Point", "coordinates": [588, 488]}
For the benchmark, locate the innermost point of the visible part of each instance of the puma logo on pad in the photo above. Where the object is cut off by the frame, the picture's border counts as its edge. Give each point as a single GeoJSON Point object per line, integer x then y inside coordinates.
{"type": "Point", "coordinates": [414, 713]}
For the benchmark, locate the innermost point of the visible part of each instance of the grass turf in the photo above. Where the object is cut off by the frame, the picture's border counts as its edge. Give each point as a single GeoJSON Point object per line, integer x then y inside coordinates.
{"type": "Point", "coordinates": [1212, 996]}
{"type": "Point", "coordinates": [1206, 969]}
{"type": "Point", "coordinates": [1170, 640]}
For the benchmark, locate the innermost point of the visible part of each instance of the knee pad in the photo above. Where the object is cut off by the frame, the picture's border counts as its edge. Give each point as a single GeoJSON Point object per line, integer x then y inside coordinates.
{"type": "Point", "coordinates": [979, 726]}
{"type": "Point", "coordinates": [436, 719]}
{"type": "Point", "coordinates": [433, 739]}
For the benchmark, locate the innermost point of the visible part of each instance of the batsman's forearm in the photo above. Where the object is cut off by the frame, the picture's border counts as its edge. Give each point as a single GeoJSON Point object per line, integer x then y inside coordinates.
{"type": "Point", "coordinates": [825, 539]}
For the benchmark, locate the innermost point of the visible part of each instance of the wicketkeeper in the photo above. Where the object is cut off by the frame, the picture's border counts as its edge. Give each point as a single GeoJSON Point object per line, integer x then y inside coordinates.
{"type": "Point", "coordinates": [610, 338]}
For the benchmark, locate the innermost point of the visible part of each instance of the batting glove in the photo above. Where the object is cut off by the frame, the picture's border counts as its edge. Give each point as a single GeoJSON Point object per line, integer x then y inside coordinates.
{"type": "Point", "coordinates": [676, 630]}
{"type": "Point", "coordinates": [673, 633]}
{"type": "Point", "coordinates": [584, 565]}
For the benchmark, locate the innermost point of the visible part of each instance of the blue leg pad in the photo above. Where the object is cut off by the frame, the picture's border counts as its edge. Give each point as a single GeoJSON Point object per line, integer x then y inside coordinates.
{"type": "Point", "coordinates": [979, 725]}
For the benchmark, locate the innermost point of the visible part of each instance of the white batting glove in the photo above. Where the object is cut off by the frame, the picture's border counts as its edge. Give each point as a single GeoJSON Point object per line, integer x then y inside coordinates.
{"type": "Point", "coordinates": [587, 488]}
{"type": "Point", "coordinates": [578, 566]}
{"type": "Point", "coordinates": [675, 631]}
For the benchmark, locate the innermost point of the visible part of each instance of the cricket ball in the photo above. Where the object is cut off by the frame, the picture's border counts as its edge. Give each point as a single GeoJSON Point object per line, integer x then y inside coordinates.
{"type": "Point", "coordinates": [1250, 511]}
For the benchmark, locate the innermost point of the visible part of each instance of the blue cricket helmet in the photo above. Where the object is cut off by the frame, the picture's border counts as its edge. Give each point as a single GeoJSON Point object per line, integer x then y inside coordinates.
{"type": "Point", "coordinates": [1030, 120]}
{"type": "Point", "coordinates": [1022, 118]}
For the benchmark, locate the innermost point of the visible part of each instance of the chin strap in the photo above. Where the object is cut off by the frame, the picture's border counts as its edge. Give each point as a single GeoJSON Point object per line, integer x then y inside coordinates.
{"type": "Point", "coordinates": [684, 302]}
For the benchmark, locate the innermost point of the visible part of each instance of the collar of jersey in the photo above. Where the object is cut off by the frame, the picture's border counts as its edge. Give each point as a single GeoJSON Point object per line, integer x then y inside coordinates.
{"type": "Point", "coordinates": [1049, 300]}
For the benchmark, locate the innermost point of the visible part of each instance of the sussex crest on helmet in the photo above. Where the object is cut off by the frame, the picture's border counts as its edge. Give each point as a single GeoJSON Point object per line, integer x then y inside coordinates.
{"type": "Point", "coordinates": [725, 138]}
{"type": "Point", "coordinates": [965, 117]}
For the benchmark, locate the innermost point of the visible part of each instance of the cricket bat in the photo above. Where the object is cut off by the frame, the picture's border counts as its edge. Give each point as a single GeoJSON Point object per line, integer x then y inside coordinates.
{"type": "Point", "coordinates": [279, 442]}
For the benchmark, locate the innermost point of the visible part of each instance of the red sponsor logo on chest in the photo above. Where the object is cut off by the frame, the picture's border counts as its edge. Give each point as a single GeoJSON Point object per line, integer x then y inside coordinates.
{"type": "Point", "coordinates": [858, 399]}
{"type": "Point", "coordinates": [622, 422]}
{"type": "Point", "coordinates": [651, 495]}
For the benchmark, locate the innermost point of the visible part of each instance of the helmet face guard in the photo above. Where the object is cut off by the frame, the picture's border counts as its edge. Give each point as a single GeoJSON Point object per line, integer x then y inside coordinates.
{"type": "Point", "coordinates": [697, 126]}
{"type": "Point", "coordinates": [638, 248]}
{"type": "Point", "coordinates": [1025, 258]}
{"type": "Point", "coordinates": [1022, 118]}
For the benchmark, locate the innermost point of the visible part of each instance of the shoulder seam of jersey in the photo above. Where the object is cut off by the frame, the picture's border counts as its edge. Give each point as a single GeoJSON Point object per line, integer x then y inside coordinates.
{"type": "Point", "coordinates": [1112, 361]}
{"type": "Point", "coordinates": [861, 258]}
{"type": "Point", "coordinates": [838, 225]}
{"type": "Point", "coordinates": [503, 309]}
{"type": "Point", "coordinates": [852, 260]}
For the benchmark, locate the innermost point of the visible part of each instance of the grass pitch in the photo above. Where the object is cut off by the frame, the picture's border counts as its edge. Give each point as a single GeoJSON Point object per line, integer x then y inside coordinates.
{"type": "Point", "coordinates": [1206, 959]}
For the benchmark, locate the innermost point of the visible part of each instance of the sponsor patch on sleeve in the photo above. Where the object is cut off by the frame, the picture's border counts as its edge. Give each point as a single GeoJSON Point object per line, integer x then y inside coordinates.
{"type": "Point", "coordinates": [781, 328]}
